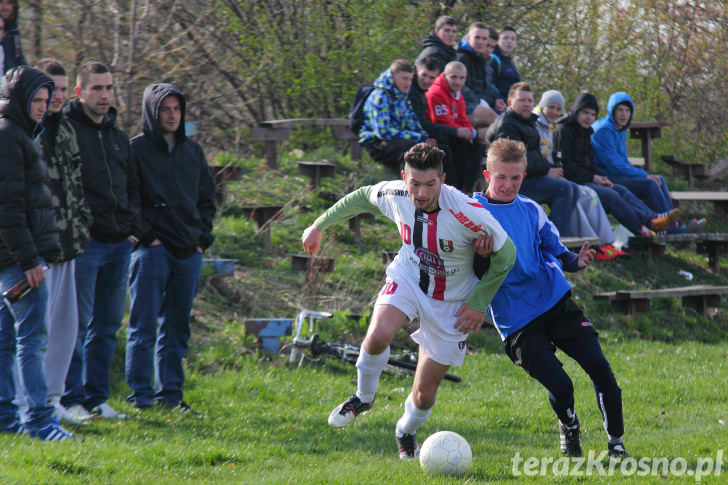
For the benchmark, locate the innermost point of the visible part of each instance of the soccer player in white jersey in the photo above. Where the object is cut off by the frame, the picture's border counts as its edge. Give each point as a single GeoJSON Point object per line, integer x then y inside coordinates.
{"type": "Point", "coordinates": [431, 278]}
{"type": "Point", "coordinates": [533, 310]}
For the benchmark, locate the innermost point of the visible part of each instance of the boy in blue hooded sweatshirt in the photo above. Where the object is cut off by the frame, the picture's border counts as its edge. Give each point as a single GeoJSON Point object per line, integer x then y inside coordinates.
{"type": "Point", "coordinates": [610, 155]}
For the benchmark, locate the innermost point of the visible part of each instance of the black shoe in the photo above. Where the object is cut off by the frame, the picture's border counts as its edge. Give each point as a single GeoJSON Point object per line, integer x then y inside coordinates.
{"type": "Point", "coordinates": [617, 451]}
{"type": "Point", "coordinates": [344, 413]}
{"type": "Point", "coordinates": [408, 446]}
{"type": "Point", "coordinates": [569, 439]}
{"type": "Point", "coordinates": [180, 406]}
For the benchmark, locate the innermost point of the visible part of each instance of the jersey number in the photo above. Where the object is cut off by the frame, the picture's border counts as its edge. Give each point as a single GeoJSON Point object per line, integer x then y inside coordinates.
{"type": "Point", "coordinates": [405, 232]}
{"type": "Point", "coordinates": [389, 288]}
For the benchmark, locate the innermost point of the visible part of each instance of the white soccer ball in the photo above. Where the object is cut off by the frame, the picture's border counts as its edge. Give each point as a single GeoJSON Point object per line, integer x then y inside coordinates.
{"type": "Point", "coordinates": [445, 453]}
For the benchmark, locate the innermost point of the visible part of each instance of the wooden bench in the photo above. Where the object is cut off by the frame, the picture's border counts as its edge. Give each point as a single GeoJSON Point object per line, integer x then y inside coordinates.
{"type": "Point", "coordinates": [221, 174]}
{"type": "Point", "coordinates": [712, 245]}
{"type": "Point", "coordinates": [268, 331]}
{"type": "Point", "coordinates": [575, 243]}
{"type": "Point", "coordinates": [646, 131]}
{"type": "Point", "coordinates": [687, 170]}
{"type": "Point", "coordinates": [717, 198]}
{"type": "Point", "coordinates": [304, 262]}
{"type": "Point", "coordinates": [273, 131]}
{"type": "Point", "coordinates": [704, 299]}
{"type": "Point", "coordinates": [315, 171]}
{"type": "Point", "coordinates": [263, 216]}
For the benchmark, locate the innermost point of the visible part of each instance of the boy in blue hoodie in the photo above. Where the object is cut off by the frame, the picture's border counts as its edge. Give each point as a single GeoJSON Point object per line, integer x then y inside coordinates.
{"type": "Point", "coordinates": [609, 141]}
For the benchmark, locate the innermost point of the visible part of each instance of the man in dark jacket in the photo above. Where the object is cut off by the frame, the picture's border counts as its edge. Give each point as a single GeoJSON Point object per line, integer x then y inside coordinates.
{"type": "Point", "coordinates": [440, 43]}
{"type": "Point", "coordinates": [73, 217]}
{"type": "Point", "coordinates": [543, 183]}
{"type": "Point", "coordinates": [573, 140]}
{"type": "Point", "coordinates": [474, 51]}
{"type": "Point", "coordinates": [28, 235]}
{"type": "Point", "coordinates": [177, 208]}
{"type": "Point", "coordinates": [111, 188]}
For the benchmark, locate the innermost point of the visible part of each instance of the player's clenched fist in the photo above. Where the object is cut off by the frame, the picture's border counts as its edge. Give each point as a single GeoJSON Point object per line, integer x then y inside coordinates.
{"type": "Point", "coordinates": [311, 240]}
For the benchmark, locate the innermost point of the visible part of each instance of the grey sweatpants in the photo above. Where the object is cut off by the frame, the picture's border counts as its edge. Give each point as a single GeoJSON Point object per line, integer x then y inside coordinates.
{"type": "Point", "coordinates": [62, 325]}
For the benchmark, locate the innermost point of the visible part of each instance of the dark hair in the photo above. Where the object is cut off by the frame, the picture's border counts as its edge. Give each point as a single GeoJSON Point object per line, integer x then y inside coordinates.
{"type": "Point", "coordinates": [400, 65]}
{"type": "Point", "coordinates": [424, 157]}
{"type": "Point", "coordinates": [85, 71]}
{"type": "Point", "coordinates": [429, 63]}
{"type": "Point", "coordinates": [521, 86]}
{"type": "Point", "coordinates": [445, 20]}
{"type": "Point", "coordinates": [51, 67]}
{"type": "Point", "coordinates": [507, 28]}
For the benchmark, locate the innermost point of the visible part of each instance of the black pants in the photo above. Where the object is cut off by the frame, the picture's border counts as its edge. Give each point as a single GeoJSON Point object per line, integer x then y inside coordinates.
{"type": "Point", "coordinates": [466, 160]}
{"type": "Point", "coordinates": [391, 152]}
{"type": "Point", "coordinates": [565, 327]}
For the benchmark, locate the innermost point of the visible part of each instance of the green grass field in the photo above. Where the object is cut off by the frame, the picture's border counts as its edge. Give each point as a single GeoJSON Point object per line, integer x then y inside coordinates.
{"type": "Point", "coordinates": [266, 423]}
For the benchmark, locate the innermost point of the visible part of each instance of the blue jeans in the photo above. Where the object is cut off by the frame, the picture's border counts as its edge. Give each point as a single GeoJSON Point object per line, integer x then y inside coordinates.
{"type": "Point", "coordinates": [657, 197]}
{"type": "Point", "coordinates": [23, 329]}
{"type": "Point", "coordinates": [101, 275]}
{"type": "Point", "coordinates": [624, 205]}
{"type": "Point", "coordinates": [162, 288]}
{"type": "Point", "coordinates": [561, 196]}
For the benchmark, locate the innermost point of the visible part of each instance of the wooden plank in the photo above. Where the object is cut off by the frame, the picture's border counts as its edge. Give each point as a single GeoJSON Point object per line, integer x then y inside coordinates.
{"type": "Point", "coordinates": [259, 133]}
{"type": "Point", "coordinates": [717, 170]}
{"type": "Point", "coordinates": [578, 242]}
{"type": "Point", "coordinates": [672, 292]}
{"type": "Point", "coordinates": [700, 195]}
{"type": "Point", "coordinates": [289, 123]}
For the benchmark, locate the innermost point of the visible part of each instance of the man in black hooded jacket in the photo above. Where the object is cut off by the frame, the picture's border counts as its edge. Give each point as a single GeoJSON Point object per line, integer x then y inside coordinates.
{"type": "Point", "coordinates": [28, 235]}
{"type": "Point", "coordinates": [177, 208]}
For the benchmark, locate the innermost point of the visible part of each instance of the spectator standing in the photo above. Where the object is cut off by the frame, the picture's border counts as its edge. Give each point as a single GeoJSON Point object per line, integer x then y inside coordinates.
{"type": "Point", "coordinates": [440, 43]}
{"type": "Point", "coordinates": [111, 188]}
{"type": "Point", "coordinates": [474, 51]}
{"type": "Point", "coordinates": [73, 217]}
{"type": "Point", "coordinates": [28, 235]}
{"type": "Point", "coordinates": [177, 209]}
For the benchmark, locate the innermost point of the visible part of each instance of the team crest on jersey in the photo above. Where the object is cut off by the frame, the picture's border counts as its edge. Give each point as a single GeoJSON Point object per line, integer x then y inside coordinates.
{"type": "Point", "coordinates": [428, 257]}
{"type": "Point", "coordinates": [446, 245]}
{"type": "Point", "coordinates": [586, 324]}
{"type": "Point", "coordinates": [461, 346]}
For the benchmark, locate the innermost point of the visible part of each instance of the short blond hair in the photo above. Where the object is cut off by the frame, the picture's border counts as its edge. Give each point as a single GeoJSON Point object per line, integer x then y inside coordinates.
{"type": "Point", "coordinates": [507, 151]}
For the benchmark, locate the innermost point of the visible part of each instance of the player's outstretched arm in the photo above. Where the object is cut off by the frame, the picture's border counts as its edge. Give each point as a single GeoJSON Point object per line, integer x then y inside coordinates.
{"type": "Point", "coordinates": [311, 240]}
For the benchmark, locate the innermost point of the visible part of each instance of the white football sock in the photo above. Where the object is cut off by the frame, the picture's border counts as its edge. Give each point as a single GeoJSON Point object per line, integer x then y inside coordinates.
{"type": "Point", "coordinates": [412, 418]}
{"type": "Point", "coordinates": [368, 369]}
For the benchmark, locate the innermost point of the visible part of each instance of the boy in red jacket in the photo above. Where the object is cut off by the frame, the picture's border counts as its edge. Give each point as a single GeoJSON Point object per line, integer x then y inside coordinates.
{"type": "Point", "coordinates": [446, 106]}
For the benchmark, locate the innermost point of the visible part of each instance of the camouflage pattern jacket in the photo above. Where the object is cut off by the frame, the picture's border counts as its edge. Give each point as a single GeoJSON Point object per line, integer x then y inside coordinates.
{"type": "Point", "coordinates": [73, 215]}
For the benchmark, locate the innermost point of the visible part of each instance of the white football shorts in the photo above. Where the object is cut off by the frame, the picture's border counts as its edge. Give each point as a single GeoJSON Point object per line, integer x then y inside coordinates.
{"type": "Point", "coordinates": [437, 334]}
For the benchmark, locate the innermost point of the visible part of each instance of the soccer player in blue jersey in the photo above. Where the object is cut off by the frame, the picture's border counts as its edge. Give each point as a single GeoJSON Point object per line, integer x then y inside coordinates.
{"type": "Point", "coordinates": [431, 278]}
{"type": "Point", "coordinates": [533, 310]}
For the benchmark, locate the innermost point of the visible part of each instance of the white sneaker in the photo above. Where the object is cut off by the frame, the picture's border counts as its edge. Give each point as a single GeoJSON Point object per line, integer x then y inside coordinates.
{"type": "Point", "coordinates": [105, 411]}
{"type": "Point", "coordinates": [76, 413]}
{"type": "Point", "coordinates": [79, 418]}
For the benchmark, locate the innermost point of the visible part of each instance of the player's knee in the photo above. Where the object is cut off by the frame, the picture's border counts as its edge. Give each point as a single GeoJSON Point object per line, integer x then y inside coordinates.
{"type": "Point", "coordinates": [376, 342]}
{"type": "Point", "coordinates": [562, 389]}
{"type": "Point", "coordinates": [424, 398]}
